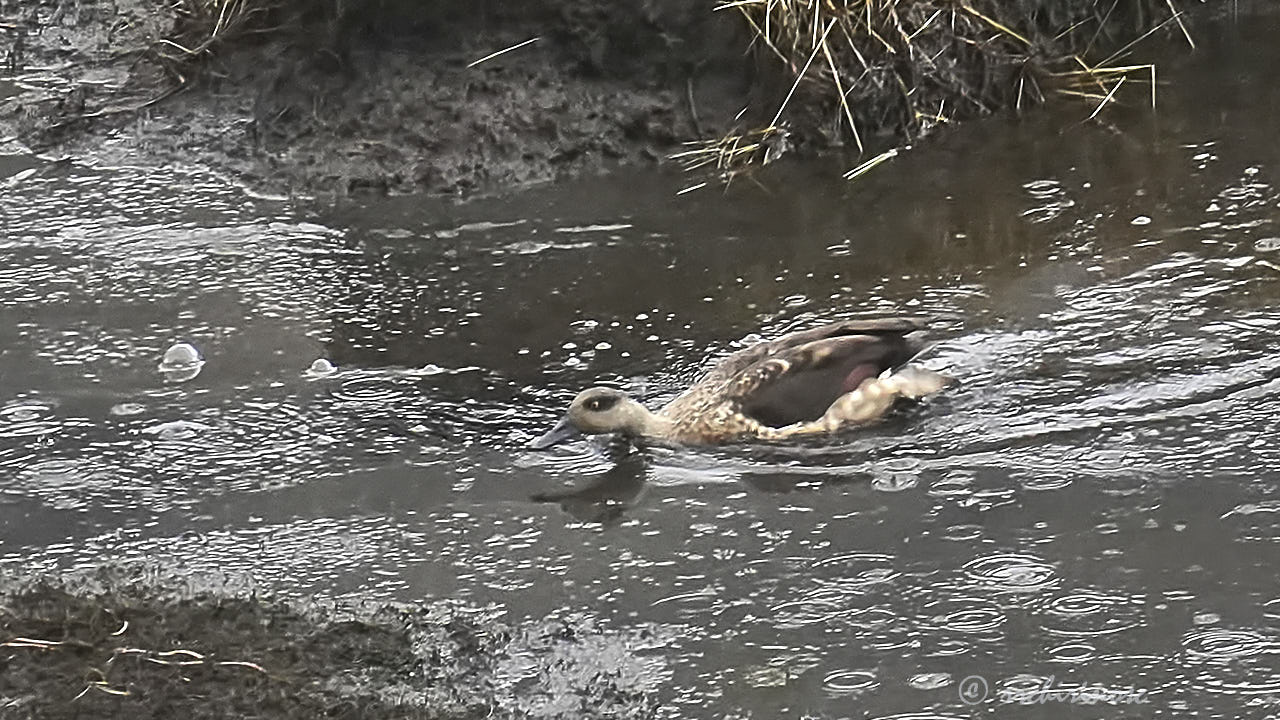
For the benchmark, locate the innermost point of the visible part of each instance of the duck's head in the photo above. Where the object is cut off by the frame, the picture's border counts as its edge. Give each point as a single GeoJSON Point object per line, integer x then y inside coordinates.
{"type": "Point", "coordinates": [595, 411]}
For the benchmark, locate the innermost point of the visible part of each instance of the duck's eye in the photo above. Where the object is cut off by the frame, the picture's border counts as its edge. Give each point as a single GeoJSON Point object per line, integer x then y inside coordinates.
{"type": "Point", "coordinates": [597, 404]}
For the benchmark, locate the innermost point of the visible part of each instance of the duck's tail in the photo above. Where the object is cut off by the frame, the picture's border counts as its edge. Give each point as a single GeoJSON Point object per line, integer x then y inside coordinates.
{"type": "Point", "coordinates": [915, 382]}
{"type": "Point", "coordinates": [871, 400]}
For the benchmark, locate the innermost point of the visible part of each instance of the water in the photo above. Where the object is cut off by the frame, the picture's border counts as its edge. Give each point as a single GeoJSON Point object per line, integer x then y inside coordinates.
{"type": "Point", "coordinates": [1093, 507]}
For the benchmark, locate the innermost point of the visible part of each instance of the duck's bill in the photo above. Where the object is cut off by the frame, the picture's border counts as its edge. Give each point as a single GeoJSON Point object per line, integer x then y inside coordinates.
{"type": "Point", "coordinates": [556, 435]}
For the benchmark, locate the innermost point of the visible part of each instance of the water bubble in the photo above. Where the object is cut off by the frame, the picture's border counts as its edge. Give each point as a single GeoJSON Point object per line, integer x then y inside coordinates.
{"type": "Point", "coordinates": [181, 362]}
{"type": "Point", "coordinates": [181, 354]}
{"type": "Point", "coordinates": [321, 368]}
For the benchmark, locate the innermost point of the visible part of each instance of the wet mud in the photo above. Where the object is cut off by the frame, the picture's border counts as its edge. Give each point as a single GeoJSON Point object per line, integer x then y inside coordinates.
{"type": "Point", "coordinates": [375, 96]}
{"type": "Point", "coordinates": [129, 651]}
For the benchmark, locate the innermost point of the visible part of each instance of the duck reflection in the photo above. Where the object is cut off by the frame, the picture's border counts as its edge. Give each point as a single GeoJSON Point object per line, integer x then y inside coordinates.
{"type": "Point", "coordinates": [605, 497]}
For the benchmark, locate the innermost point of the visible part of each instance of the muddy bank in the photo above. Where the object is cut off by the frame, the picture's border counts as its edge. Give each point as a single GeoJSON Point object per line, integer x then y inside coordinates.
{"type": "Point", "coordinates": [135, 652]}
{"type": "Point", "coordinates": [388, 96]}
{"type": "Point", "coordinates": [377, 95]}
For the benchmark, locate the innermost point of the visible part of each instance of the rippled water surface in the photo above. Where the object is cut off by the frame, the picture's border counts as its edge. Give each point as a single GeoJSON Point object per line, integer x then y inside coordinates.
{"type": "Point", "coordinates": [1094, 506]}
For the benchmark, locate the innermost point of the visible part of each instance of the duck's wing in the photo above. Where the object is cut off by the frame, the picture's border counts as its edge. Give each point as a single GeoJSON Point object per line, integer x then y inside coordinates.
{"type": "Point", "coordinates": [729, 368]}
{"type": "Point", "coordinates": [799, 381]}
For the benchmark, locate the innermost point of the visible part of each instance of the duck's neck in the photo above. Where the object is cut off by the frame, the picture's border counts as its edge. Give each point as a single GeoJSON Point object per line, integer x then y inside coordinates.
{"type": "Point", "coordinates": [642, 422]}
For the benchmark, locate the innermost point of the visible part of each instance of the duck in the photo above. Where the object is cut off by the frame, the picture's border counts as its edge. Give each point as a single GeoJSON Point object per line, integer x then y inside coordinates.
{"type": "Point", "coordinates": [819, 381]}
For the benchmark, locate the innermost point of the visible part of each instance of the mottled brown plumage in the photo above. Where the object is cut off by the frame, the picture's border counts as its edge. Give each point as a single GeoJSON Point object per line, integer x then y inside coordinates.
{"type": "Point", "coordinates": [805, 383]}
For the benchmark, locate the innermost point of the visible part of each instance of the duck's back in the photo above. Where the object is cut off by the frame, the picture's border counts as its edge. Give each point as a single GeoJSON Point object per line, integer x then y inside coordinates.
{"type": "Point", "coordinates": [792, 379]}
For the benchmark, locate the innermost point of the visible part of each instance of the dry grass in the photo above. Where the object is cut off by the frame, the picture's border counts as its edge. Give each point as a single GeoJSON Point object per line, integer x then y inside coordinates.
{"type": "Point", "coordinates": [908, 66]}
{"type": "Point", "coordinates": [202, 25]}
{"type": "Point", "coordinates": [733, 150]}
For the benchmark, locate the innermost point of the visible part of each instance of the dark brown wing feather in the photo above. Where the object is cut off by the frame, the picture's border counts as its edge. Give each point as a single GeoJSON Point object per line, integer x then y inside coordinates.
{"type": "Point", "coordinates": [801, 374]}
{"type": "Point", "coordinates": [728, 368]}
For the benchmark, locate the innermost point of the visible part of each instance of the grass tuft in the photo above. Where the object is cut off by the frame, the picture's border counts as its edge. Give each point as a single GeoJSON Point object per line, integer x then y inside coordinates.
{"type": "Point", "coordinates": [867, 67]}
{"type": "Point", "coordinates": [202, 25]}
